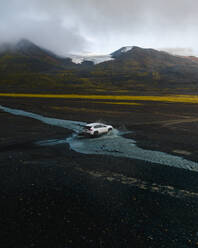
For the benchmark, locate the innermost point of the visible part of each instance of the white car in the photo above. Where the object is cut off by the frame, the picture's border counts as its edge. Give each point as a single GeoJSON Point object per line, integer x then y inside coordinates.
{"type": "Point", "coordinates": [96, 129]}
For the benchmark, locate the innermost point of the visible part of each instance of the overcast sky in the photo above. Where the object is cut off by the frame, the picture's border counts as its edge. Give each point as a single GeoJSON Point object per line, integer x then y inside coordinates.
{"type": "Point", "coordinates": [101, 26]}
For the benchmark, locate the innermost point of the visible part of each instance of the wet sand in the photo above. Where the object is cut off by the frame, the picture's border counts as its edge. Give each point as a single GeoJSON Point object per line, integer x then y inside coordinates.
{"type": "Point", "coordinates": [52, 196]}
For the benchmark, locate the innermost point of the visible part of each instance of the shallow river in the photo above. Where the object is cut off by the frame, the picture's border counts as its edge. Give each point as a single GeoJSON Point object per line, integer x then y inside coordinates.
{"type": "Point", "coordinates": [113, 144]}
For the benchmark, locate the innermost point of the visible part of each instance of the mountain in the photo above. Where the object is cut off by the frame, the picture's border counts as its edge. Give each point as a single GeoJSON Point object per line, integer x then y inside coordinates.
{"type": "Point", "coordinates": [25, 66]}
{"type": "Point", "coordinates": [193, 58]}
{"type": "Point", "coordinates": [26, 56]}
{"type": "Point", "coordinates": [121, 51]}
{"type": "Point", "coordinates": [150, 59]}
{"type": "Point", "coordinates": [149, 67]}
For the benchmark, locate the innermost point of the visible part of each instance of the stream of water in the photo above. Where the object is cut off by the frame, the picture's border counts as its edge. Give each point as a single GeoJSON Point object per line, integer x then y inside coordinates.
{"type": "Point", "coordinates": [113, 144]}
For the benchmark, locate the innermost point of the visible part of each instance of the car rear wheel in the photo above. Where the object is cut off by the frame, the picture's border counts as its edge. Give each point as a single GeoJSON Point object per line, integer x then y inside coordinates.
{"type": "Point", "coordinates": [110, 129]}
{"type": "Point", "coordinates": [96, 133]}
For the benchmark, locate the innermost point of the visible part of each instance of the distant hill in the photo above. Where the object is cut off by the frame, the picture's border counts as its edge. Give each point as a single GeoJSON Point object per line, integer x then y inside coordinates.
{"type": "Point", "coordinates": [24, 66]}
{"type": "Point", "coordinates": [150, 68]}
{"type": "Point", "coordinates": [193, 58]}
{"type": "Point", "coordinates": [152, 61]}
{"type": "Point", "coordinates": [26, 56]}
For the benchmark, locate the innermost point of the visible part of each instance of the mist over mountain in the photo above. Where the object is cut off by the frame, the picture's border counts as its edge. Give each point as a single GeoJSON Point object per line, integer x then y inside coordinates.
{"type": "Point", "coordinates": [25, 65]}
{"type": "Point", "coordinates": [100, 26]}
{"type": "Point", "coordinates": [25, 56]}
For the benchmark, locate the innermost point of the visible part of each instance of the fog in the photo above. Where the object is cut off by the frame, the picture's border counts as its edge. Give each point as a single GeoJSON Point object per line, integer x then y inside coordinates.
{"type": "Point", "coordinates": [90, 26]}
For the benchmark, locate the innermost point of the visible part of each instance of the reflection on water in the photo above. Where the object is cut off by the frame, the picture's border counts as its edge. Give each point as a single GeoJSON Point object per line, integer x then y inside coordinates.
{"type": "Point", "coordinates": [113, 144]}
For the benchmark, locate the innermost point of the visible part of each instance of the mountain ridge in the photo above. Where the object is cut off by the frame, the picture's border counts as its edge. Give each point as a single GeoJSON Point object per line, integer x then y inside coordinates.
{"type": "Point", "coordinates": [131, 68]}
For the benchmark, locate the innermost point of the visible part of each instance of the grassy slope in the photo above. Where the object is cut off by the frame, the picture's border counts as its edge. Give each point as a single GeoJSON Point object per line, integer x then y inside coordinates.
{"type": "Point", "coordinates": [141, 72]}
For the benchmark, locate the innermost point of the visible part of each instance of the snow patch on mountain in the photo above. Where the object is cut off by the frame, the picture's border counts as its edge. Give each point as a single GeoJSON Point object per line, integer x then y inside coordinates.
{"type": "Point", "coordinates": [96, 59]}
{"type": "Point", "coordinates": [126, 49]}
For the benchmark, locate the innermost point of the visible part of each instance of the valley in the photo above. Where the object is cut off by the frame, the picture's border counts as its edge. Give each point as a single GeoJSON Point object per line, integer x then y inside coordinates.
{"type": "Point", "coordinates": [58, 191]}
{"type": "Point", "coordinates": [96, 199]}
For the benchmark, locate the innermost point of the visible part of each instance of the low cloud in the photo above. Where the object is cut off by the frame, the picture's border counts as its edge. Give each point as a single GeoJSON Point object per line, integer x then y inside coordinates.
{"type": "Point", "coordinates": [179, 51]}
{"type": "Point", "coordinates": [72, 26]}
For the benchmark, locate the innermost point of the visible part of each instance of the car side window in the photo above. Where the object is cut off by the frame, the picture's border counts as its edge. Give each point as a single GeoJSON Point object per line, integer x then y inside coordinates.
{"type": "Point", "coordinates": [98, 126]}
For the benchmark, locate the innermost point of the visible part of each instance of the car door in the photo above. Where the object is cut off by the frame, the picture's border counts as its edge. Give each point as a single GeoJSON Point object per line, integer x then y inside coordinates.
{"type": "Point", "coordinates": [97, 128]}
{"type": "Point", "coordinates": [103, 129]}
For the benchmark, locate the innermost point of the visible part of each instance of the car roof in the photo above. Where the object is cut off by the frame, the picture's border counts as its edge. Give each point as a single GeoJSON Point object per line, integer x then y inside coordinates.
{"type": "Point", "coordinates": [94, 124]}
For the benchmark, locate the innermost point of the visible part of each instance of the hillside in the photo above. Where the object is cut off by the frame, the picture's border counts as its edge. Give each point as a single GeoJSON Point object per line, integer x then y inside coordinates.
{"type": "Point", "coordinates": [27, 67]}
{"type": "Point", "coordinates": [149, 67]}
{"type": "Point", "coordinates": [26, 56]}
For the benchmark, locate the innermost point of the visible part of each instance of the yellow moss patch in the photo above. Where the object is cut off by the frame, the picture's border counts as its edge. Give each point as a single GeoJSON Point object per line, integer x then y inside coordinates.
{"type": "Point", "coordinates": [169, 98]}
{"type": "Point", "coordinates": [121, 103]}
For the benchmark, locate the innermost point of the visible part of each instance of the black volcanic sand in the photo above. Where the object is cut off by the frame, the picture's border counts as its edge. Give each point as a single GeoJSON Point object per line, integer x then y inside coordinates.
{"type": "Point", "coordinates": [53, 197]}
